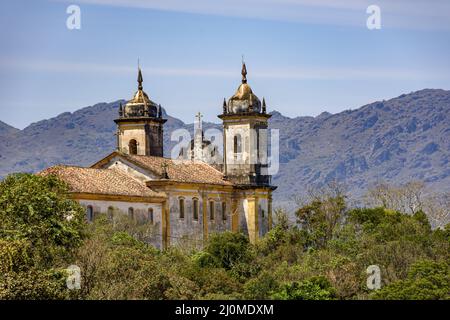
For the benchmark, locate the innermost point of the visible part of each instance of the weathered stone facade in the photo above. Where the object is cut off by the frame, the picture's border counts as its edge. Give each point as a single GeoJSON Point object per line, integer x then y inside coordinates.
{"type": "Point", "coordinates": [140, 212]}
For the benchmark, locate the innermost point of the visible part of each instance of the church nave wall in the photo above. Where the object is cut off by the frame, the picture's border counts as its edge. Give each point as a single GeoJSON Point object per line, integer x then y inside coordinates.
{"type": "Point", "coordinates": [141, 213]}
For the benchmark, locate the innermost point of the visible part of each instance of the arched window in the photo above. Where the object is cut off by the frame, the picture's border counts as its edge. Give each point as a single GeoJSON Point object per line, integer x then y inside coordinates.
{"type": "Point", "coordinates": [224, 211]}
{"type": "Point", "coordinates": [131, 213]}
{"type": "Point", "coordinates": [90, 213]}
{"type": "Point", "coordinates": [195, 208]}
{"type": "Point", "coordinates": [181, 205]}
{"type": "Point", "coordinates": [237, 144]}
{"type": "Point", "coordinates": [211, 210]}
{"type": "Point", "coordinates": [110, 213]}
{"type": "Point", "coordinates": [150, 215]}
{"type": "Point", "coordinates": [132, 146]}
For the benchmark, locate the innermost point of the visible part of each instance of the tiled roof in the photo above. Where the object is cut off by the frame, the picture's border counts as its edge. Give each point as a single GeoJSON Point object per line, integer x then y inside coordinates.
{"type": "Point", "coordinates": [180, 170]}
{"type": "Point", "coordinates": [101, 181]}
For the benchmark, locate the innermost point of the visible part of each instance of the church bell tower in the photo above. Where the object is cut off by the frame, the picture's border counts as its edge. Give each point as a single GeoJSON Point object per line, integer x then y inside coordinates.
{"type": "Point", "coordinates": [245, 135]}
{"type": "Point", "coordinates": [140, 125]}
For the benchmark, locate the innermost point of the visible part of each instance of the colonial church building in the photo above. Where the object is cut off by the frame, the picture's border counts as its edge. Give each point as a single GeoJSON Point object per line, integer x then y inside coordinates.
{"type": "Point", "coordinates": [182, 198]}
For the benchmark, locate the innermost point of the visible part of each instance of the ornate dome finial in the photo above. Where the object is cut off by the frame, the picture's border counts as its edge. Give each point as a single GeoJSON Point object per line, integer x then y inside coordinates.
{"type": "Point", "coordinates": [244, 100]}
{"type": "Point", "coordinates": [140, 105]}
{"type": "Point", "coordinates": [244, 73]}
{"type": "Point", "coordinates": [120, 109]}
{"type": "Point", "coordinates": [140, 79]}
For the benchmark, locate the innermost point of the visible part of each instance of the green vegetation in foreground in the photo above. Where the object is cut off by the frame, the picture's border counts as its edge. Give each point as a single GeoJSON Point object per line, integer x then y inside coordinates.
{"type": "Point", "coordinates": [42, 232]}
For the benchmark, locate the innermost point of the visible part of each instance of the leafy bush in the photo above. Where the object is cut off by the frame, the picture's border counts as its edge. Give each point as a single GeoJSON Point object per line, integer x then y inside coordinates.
{"type": "Point", "coordinates": [426, 280]}
{"type": "Point", "coordinates": [34, 284]}
{"type": "Point", "coordinates": [40, 229]}
{"type": "Point", "coordinates": [228, 248]}
{"type": "Point", "coordinates": [317, 288]}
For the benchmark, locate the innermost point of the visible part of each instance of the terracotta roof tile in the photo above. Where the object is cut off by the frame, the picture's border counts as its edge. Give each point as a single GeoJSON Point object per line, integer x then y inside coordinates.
{"type": "Point", "coordinates": [180, 170]}
{"type": "Point", "coordinates": [100, 181]}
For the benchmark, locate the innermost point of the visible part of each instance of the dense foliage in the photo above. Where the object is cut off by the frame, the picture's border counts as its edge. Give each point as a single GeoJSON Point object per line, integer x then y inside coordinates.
{"type": "Point", "coordinates": [40, 230]}
{"type": "Point", "coordinates": [324, 256]}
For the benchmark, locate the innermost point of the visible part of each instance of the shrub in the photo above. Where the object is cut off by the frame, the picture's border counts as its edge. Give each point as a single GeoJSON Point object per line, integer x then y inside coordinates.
{"type": "Point", "coordinates": [315, 288]}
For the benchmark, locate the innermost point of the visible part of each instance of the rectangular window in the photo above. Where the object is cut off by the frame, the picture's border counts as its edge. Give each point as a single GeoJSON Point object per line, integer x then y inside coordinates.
{"type": "Point", "coordinates": [195, 205]}
{"type": "Point", "coordinates": [90, 213]}
{"type": "Point", "coordinates": [224, 211]}
{"type": "Point", "coordinates": [131, 213]}
{"type": "Point", "coordinates": [181, 208]}
{"type": "Point", "coordinates": [150, 215]}
{"type": "Point", "coordinates": [110, 213]}
{"type": "Point", "coordinates": [211, 210]}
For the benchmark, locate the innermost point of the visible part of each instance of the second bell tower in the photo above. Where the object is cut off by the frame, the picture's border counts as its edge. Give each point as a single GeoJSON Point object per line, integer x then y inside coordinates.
{"type": "Point", "coordinates": [245, 123]}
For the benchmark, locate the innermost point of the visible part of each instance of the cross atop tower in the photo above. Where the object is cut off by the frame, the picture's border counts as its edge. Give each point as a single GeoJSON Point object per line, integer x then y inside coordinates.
{"type": "Point", "coordinates": [199, 117]}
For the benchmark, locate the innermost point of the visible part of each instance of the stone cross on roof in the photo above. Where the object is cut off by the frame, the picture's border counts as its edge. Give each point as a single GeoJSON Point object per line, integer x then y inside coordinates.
{"type": "Point", "coordinates": [164, 166]}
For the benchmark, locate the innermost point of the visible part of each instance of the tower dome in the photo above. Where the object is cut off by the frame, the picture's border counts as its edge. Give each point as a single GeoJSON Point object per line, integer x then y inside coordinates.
{"type": "Point", "coordinates": [244, 100]}
{"type": "Point", "coordinates": [140, 125]}
{"type": "Point", "coordinates": [140, 105]}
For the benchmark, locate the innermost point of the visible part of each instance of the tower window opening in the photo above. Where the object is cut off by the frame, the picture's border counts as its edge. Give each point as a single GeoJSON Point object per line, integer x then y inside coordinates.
{"type": "Point", "coordinates": [257, 143]}
{"type": "Point", "coordinates": [237, 144]}
{"type": "Point", "coordinates": [132, 146]}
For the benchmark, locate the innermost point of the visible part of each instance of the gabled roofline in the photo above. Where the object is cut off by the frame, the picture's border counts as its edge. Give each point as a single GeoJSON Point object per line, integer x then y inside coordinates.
{"type": "Point", "coordinates": [105, 160]}
{"type": "Point", "coordinates": [116, 153]}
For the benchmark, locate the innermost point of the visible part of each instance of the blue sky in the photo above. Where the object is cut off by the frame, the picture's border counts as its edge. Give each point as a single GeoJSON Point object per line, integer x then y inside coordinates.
{"type": "Point", "coordinates": [303, 56]}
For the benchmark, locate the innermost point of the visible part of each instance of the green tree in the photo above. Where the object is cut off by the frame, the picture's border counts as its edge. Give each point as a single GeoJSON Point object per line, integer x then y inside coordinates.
{"type": "Point", "coordinates": [37, 209]}
{"type": "Point", "coordinates": [426, 280]}
{"type": "Point", "coordinates": [315, 288]}
{"type": "Point", "coordinates": [228, 249]}
{"type": "Point", "coordinates": [261, 287]}
{"type": "Point", "coordinates": [40, 228]}
{"type": "Point", "coordinates": [319, 218]}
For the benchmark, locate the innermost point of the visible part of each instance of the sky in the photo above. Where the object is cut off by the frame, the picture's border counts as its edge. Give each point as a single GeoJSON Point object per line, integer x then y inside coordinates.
{"type": "Point", "coordinates": [304, 56]}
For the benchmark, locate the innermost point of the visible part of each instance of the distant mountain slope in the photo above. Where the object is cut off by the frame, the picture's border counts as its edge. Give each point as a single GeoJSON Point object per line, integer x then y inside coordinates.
{"type": "Point", "coordinates": [6, 129]}
{"type": "Point", "coordinates": [402, 139]}
{"type": "Point", "coordinates": [399, 140]}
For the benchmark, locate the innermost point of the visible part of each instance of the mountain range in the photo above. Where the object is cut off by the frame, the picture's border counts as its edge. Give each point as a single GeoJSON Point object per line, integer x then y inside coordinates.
{"type": "Point", "coordinates": [395, 141]}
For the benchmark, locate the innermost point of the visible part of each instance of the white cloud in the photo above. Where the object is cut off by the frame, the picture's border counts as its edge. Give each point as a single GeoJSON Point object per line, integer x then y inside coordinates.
{"type": "Point", "coordinates": [299, 73]}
